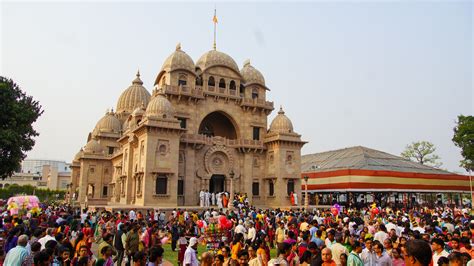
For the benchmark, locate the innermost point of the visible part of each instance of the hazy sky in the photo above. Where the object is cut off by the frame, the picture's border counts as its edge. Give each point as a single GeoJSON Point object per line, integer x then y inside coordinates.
{"type": "Point", "coordinates": [376, 74]}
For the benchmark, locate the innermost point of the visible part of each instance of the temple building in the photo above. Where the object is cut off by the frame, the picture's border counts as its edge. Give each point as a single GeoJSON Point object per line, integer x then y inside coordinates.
{"type": "Point", "coordinates": [358, 176]}
{"type": "Point", "coordinates": [203, 127]}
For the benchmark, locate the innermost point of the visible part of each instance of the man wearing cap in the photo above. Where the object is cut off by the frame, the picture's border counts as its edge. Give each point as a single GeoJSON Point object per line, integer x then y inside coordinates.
{"type": "Point", "coordinates": [280, 233]}
{"type": "Point", "coordinates": [190, 258]}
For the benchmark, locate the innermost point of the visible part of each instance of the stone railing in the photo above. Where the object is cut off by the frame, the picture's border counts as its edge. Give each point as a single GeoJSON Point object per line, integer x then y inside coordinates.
{"type": "Point", "coordinates": [257, 103]}
{"type": "Point", "coordinates": [234, 143]}
{"type": "Point", "coordinates": [184, 90]}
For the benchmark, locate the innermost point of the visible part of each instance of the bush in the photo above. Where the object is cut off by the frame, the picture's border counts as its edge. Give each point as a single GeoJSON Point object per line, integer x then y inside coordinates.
{"type": "Point", "coordinates": [44, 195]}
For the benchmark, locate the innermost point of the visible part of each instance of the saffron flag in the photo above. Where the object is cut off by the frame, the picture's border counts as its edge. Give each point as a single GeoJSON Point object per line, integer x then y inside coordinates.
{"type": "Point", "coordinates": [214, 19]}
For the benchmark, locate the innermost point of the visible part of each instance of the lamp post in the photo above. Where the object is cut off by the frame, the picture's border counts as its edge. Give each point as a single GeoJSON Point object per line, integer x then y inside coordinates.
{"type": "Point", "coordinates": [306, 199]}
{"type": "Point", "coordinates": [231, 197]}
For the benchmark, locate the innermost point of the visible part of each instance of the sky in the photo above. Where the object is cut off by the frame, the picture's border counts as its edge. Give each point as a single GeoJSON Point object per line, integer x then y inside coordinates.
{"type": "Point", "coordinates": [376, 74]}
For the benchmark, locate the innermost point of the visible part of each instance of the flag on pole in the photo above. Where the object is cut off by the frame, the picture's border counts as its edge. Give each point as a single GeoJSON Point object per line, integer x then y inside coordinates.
{"type": "Point", "coordinates": [214, 19]}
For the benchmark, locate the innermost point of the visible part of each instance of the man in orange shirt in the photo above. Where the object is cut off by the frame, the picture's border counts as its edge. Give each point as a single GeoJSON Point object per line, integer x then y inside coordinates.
{"type": "Point", "coordinates": [326, 256]}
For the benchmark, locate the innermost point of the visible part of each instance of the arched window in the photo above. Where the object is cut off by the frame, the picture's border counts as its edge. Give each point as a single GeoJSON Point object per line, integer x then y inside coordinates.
{"type": "Point", "coordinates": [222, 83]}
{"type": "Point", "coordinates": [199, 81]}
{"type": "Point", "coordinates": [254, 93]}
{"type": "Point", "coordinates": [182, 80]}
{"type": "Point", "coordinates": [211, 81]}
{"type": "Point", "coordinates": [232, 87]}
{"type": "Point", "coordinates": [163, 81]}
{"type": "Point", "coordinates": [242, 90]}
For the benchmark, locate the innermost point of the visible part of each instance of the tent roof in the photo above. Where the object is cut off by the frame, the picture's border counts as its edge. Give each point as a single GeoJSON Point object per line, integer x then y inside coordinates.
{"type": "Point", "coordinates": [363, 158]}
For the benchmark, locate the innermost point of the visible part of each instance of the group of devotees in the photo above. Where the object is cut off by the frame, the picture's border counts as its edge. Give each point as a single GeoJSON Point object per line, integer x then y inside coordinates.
{"type": "Point", "coordinates": [63, 236]}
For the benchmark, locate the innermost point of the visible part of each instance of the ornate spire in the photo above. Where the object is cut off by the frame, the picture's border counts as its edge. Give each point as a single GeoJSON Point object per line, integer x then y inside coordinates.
{"type": "Point", "coordinates": [178, 47]}
{"type": "Point", "coordinates": [247, 62]}
{"type": "Point", "coordinates": [137, 80]}
{"type": "Point", "coordinates": [281, 112]}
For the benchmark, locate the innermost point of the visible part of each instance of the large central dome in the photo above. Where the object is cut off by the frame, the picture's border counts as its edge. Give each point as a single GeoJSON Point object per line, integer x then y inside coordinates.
{"type": "Point", "coordinates": [216, 58]}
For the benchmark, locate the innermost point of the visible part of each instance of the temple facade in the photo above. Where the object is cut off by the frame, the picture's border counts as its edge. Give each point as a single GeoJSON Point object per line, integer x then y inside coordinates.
{"type": "Point", "coordinates": [203, 127]}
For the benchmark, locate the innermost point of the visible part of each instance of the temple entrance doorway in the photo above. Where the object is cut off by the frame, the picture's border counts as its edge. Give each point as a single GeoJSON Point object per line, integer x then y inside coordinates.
{"type": "Point", "coordinates": [216, 184]}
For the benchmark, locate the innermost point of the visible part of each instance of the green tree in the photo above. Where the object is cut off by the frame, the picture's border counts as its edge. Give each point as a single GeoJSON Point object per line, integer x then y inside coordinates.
{"type": "Point", "coordinates": [422, 152]}
{"type": "Point", "coordinates": [18, 112]}
{"type": "Point", "coordinates": [464, 139]}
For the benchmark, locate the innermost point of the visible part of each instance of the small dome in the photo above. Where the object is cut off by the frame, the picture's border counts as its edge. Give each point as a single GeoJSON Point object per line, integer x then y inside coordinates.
{"type": "Point", "coordinates": [281, 123]}
{"type": "Point", "coordinates": [178, 60]}
{"type": "Point", "coordinates": [93, 146]}
{"type": "Point", "coordinates": [159, 107]}
{"type": "Point", "coordinates": [139, 111]}
{"type": "Point", "coordinates": [251, 75]}
{"type": "Point", "coordinates": [133, 96]}
{"type": "Point", "coordinates": [215, 58]}
{"type": "Point", "coordinates": [109, 124]}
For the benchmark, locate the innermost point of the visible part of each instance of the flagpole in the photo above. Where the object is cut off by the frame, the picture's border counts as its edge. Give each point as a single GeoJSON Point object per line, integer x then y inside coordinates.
{"type": "Point", "coordinates": [215, 22]}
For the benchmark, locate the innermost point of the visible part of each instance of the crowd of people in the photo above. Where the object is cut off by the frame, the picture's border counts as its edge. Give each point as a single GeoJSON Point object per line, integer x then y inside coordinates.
{"type": "Point", "coordinates": [246, 236]}
{"type": "Point", "coordinates": [222, 199]}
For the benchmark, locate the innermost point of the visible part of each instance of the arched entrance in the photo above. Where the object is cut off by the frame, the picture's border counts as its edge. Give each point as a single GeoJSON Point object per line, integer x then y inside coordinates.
{"type": "Point", "coordinates": [218, 124]}
{"type": "Point", "coordinates": [217, 184]}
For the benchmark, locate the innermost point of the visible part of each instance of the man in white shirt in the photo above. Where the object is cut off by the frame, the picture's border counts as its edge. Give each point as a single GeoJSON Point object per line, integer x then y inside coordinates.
{"type": "Point", "coordinates": [438, 250]}
{"type": "Point", "coordinates": [420, 228]}
{"type": "Point", "coordinates": [83, 217]}
{"type": "Point", "coordinates": [338, 249]}
{"type": "Point", "coordinates": [381, 234]}
{"type": "Point", "coordinates": [201, 198]}
{"type": "Point", "coordinates": [368, 254]}
{"type": "Point", "coordinates": [390, 225]}
{"type": "Point", "coordinates": [132, 215]}
{"type": "Point", "coordinates": [252, 234]}
{"type": "Point", "coordinates": [207, 198]}
{"type": "Point", "coordinates": [190, 258]}
{"type": "Point", "coordinates": [46, 238]}
{"type": "Point", "coordinates": [240, 229]}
